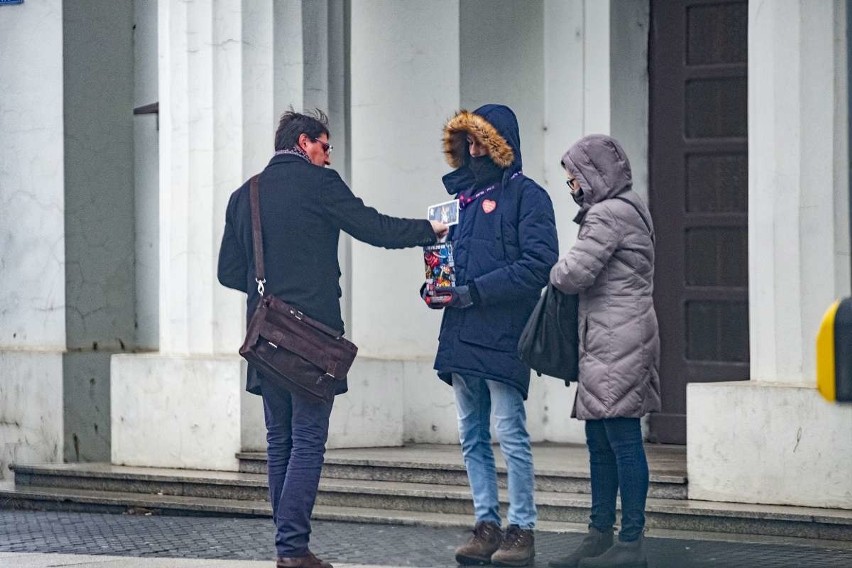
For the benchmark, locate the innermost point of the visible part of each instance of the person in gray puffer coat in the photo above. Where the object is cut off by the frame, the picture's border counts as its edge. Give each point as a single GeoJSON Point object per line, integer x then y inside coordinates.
{"type": "Point", "coordinates": [611, 268]}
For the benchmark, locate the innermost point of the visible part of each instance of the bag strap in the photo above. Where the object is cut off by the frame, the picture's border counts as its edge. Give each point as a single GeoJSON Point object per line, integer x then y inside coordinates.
{"type": "Point", "coordinates": [641, 216]}
{"type": "Point", "coordinates": [257, 234]}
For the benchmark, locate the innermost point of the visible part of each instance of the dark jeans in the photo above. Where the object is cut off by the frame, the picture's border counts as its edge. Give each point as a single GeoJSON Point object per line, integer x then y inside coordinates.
{"type": "Point", "coordinates": [296, 432]}
{"type": "Point", "coordinates": [618, 463]}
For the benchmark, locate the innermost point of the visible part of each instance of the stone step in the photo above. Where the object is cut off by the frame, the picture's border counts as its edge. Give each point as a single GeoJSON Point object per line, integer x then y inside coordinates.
{"type": "Point", "coordinates": [144, 480]}
{"type": "Point", "coordinates": [52, 498]}
{"type": "Point", "coordinates": [662, 485]}
{"type": "Point", "coordinates": [182, 492]}
{"type": "Point", "coordinates": [95, 501]}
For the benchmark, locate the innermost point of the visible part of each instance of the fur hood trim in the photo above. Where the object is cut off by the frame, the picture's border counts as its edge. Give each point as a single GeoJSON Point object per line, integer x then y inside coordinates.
{"type": "Point", "coordinates": [455, 140]}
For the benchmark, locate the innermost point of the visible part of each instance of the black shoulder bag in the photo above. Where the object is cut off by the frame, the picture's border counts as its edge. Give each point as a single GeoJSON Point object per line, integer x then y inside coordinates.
{"type": "Point", "coordinates": [550, 341]}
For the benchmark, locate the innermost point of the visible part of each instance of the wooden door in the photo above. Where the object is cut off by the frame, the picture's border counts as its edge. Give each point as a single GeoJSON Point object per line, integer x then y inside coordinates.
{"type": "Point", "coordinates": [699, 197]}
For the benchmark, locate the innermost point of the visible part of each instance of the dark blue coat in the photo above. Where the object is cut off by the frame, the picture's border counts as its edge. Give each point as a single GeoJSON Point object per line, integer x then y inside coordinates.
{"type": "Point", "coordinates": [507, 251]}
{"type": "Point", "coordinates": [303, 208]}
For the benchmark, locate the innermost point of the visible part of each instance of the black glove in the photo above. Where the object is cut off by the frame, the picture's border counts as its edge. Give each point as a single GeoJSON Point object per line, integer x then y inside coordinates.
{"type": "Point", "coordinates": [454, 297]}
{"type": "Point", "coordinates": [460, 297]}
{"type": "Point", "coordinates": [434, 299]}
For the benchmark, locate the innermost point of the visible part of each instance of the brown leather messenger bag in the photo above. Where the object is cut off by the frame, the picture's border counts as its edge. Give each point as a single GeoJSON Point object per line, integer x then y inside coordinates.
{"type": "Point", "coordinates": [286, 346]}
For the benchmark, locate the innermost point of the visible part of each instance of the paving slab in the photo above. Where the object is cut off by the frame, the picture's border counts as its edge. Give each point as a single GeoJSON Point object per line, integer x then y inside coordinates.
{"type": "Point", "coordinates": [96, 540]}
{"type": "Point", "coordinates": [38, 560]}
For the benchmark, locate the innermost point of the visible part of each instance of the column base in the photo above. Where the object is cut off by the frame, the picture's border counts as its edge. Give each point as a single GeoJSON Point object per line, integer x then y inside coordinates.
{"type": "Point", "coordinates": [31, 428]}
{"type": "Point", "coordinates": [176, 411]}
{"type": "Point", "coordinates": [86, 404]}
{"type": "Point", "coordinates": [768, 443]}
{"type": "Point", "coordinates": [390, 402]}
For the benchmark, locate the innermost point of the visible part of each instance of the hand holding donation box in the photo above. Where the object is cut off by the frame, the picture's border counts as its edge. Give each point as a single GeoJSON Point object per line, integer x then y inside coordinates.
{"type": "Point", "coordinates": [438, 258]}
{"type": "Point", "coordinates": [440, 267]}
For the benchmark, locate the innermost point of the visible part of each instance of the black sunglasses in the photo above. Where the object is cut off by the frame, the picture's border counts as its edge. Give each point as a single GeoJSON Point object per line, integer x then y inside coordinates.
{"type": "Point", "coordinates": [326, 147]}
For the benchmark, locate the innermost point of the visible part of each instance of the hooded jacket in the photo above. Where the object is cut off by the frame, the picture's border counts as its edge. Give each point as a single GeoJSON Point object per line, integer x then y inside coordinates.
{"type": "Point", "coordinates": [504, 246]}
{"type": "Point", "coordinates": [611, 267]}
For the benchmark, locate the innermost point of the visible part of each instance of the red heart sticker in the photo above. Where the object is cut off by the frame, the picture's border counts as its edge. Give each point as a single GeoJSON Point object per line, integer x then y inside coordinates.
{"type": "Point", "coordinates": [488, 205]}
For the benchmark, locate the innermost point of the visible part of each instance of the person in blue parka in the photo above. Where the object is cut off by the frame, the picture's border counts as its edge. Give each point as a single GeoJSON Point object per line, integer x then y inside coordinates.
{"type": "Point", "coordinates": [504, 246]}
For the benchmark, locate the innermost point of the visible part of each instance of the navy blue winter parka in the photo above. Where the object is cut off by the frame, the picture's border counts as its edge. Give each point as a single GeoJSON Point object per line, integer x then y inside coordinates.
{"type": "Point", "coordinates": [504, 245]}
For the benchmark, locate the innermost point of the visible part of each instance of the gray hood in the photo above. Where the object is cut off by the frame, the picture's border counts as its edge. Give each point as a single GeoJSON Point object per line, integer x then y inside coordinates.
{"type": "Point", "coordinates": [602, 168]}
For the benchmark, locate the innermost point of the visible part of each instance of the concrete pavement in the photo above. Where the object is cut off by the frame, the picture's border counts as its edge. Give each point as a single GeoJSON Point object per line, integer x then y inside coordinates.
{"type": "Point", "coordinates": [41, 539]}
{"type": "Point", "coordinates": [38, 560]}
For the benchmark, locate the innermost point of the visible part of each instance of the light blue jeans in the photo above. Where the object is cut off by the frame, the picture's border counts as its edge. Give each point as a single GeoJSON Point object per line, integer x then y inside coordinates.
{"type": "Point", "coordinates": [475, 398]}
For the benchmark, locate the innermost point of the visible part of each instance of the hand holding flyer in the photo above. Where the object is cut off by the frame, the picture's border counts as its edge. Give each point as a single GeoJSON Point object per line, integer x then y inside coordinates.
{"type": "Point", "coordinates": [446, 212]}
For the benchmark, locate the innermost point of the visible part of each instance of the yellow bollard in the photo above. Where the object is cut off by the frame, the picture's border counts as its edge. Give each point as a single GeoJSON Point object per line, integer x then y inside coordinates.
{"type": "Point", "coordinates": [834, 352]}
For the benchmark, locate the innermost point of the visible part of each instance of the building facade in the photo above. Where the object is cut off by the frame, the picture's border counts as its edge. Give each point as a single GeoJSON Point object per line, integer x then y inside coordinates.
{"type": "Point", "coordinates": [127, 125]}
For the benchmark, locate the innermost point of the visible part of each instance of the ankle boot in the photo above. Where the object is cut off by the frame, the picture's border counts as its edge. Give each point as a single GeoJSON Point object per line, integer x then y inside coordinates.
{"type": "Point", "coordinates": [481, 545]}
{"type": "Point", "coordinates": [309, 561]}
{"type": "Point", "coordinates": [594, 544]}
{"type": "Point", "coordinates": [517, 548]}
{"type": "Point", "coordinates": [621, 555]}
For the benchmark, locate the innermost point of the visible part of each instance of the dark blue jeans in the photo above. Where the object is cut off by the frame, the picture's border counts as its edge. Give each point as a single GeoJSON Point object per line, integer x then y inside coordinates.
{"type": "Point", "coordinates": [618, 463]}
{"type": "Point", "coordinates": [296, 432]}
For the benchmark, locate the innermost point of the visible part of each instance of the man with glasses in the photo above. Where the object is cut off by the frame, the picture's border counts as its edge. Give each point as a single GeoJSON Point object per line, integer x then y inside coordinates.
{"type": "Point", "coordinates": [303, 208]}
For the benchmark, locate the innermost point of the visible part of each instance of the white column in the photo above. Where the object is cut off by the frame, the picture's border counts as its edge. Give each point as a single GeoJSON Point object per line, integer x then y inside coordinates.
{"type": "Point", "coordinates": [146, 131]}
{"type": "Point", "coordinates": [630, 23]}
{"type": "Point", "coordinates": [32, 234]}
{"type": "Point", "coordinates": [260, 114]}
{"type": "Point", "coordinates": [289, 55]}
{"type": "Point", "coordinates": [260, 120]}
{"type": "Point", "coordinates": [755, 441]}
{"type": "Point", "coordinates": [595, 75]}
{"type": "Point", "coordinates": [596, 67]}
{"type": "Point", "coordinates": [404, 86]}
{"type": "Point", "coordinates": [183, 406]}
{"type": "Point", "coordinates": [794, 190]}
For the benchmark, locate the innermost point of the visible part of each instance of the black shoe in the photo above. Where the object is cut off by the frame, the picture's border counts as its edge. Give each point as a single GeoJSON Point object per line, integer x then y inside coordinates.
{"type": "Point", "coordinates": [594, 544]}
{"type": "Point", "coordinates": [620, 555]}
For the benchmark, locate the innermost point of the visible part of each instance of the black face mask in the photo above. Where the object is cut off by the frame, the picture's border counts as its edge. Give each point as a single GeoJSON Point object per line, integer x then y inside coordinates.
{"type": "Point", "coordinates": [577, 196]}
{"type": "Point", "coordinates": [484, 169]}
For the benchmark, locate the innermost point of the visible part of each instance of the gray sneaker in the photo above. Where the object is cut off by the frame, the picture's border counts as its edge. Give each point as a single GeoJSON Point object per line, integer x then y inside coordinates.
{"type": "Point", "coordinates": [481, 545]}
{"type": "Point", "coordinates": [621, 555]}
{"type": "Point", "coordinates": [594, 544]}
{"type": "Point", "coordinates": [517, 548]}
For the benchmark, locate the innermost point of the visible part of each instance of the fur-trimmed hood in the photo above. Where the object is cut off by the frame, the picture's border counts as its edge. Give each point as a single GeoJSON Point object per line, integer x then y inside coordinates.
{"type": "Point", "coordinates": [496, 128]}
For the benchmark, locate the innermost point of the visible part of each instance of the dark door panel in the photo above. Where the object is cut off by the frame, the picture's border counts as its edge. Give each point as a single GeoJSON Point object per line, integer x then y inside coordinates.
{"type": "Point", "coordinates": [698, 63]}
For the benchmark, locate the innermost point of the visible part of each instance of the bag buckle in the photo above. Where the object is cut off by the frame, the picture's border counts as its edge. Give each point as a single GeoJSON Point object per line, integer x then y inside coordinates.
{"type": "Point", "coordinates": [297, 314]}
{"type": "Point", "coordinates": [260, 285]}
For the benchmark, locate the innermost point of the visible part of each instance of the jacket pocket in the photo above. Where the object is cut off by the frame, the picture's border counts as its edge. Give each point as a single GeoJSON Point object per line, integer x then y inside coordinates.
{"type": "Point", "coordinates": [485, 246]}
{"type": "Point", "coordinates": [510, 240]}
{"type": "Point", "coordinates": [490, 327]}
{"type": "Point", "coordinates": [598, 340]}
